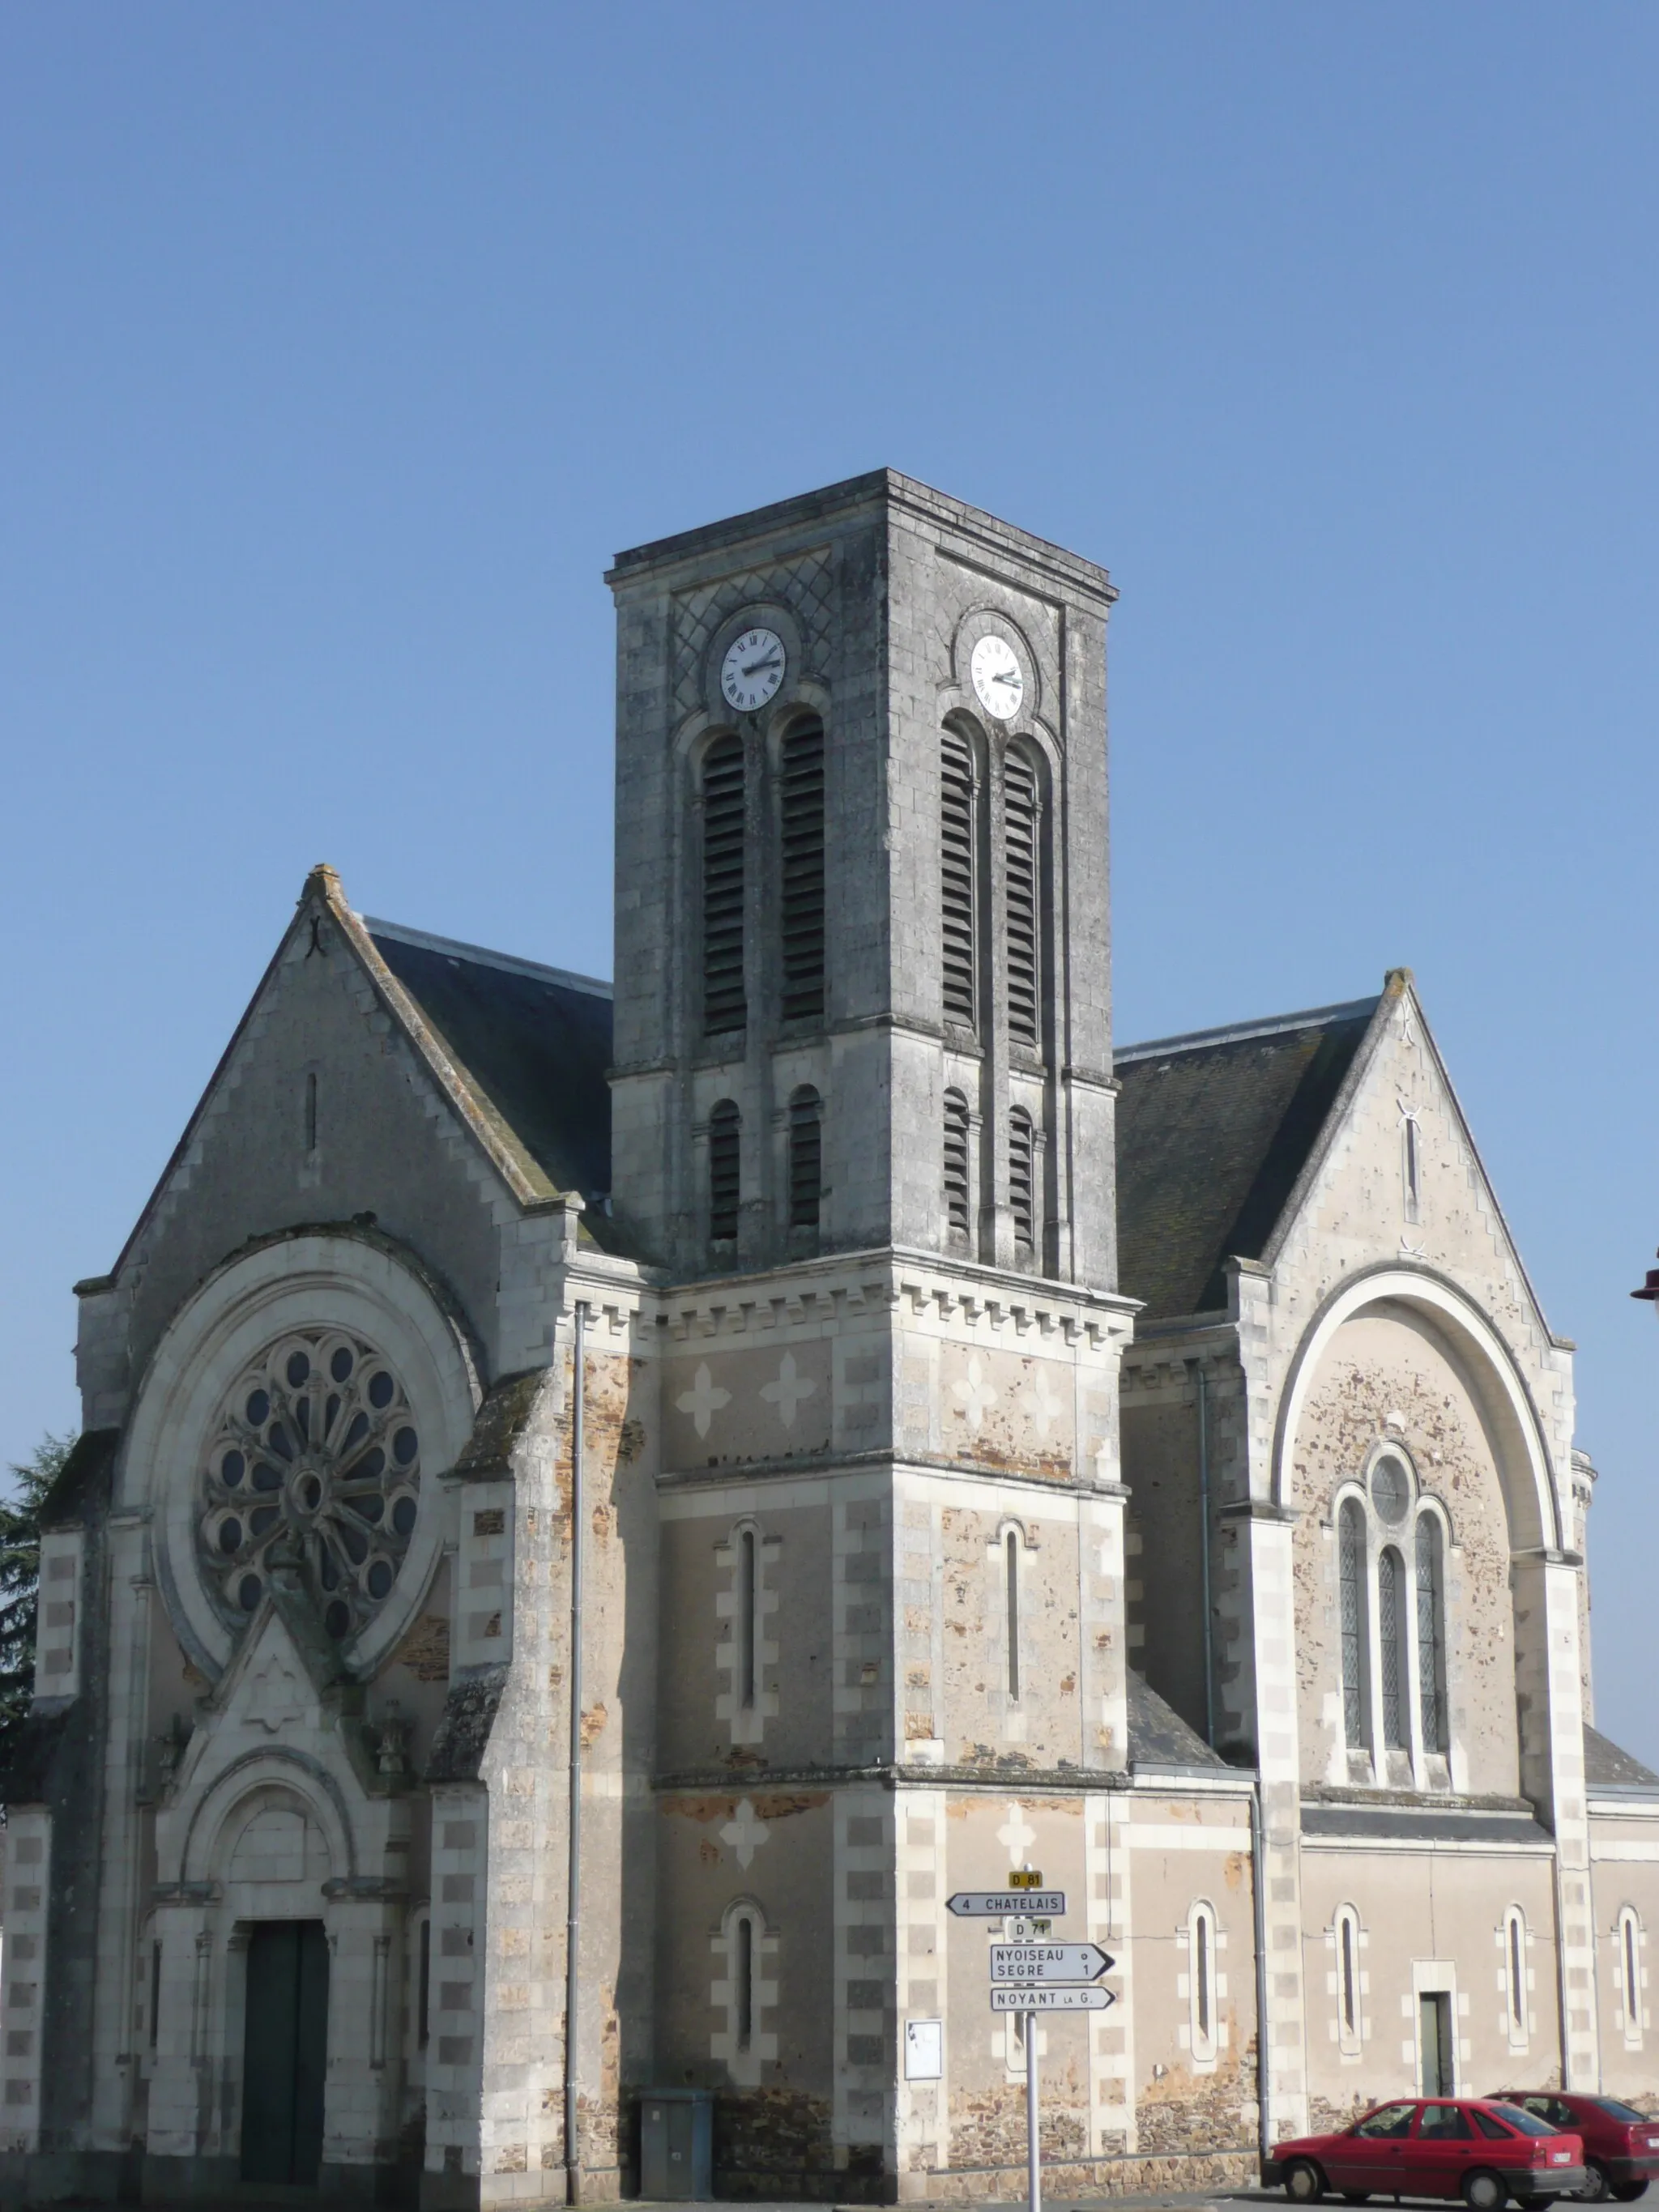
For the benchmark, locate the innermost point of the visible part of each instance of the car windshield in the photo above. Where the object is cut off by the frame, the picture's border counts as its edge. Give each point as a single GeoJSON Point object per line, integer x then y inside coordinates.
{"type": "Point", "coordinates": [1525, 2121]}
{"type": "Point", "coordinates": [1615, 2111]}
{"type": "Point", "coordinates": [1391, 2120]}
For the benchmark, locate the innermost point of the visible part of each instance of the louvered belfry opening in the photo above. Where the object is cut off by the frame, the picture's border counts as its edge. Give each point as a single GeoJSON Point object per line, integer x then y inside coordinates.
{"type": "Point", "coordinates": [1020, 859]}
{"type": "Point", "coordinates": [724, 1005]}
{"type": "Point", "coordinates": [724, 1172]}
{"type": "Point", "coordinates": [1021, 1165]}
{"type": "Point", "coordinates": [956, 826]}
{"type": "Point", "coordinates": [955, 1160]}
{"type": "Point", "coordinates": [802, 813]}
{"type": "Point", "coordinates": [806, 1158]}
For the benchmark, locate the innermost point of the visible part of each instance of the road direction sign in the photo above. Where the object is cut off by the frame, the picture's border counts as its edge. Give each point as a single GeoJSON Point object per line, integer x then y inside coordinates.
{"type": "Point", "coordinates": [999, 1903]}
{"type": "Point", "coordinates": [1007, 1996]}
{"type": "Point", "coordinates": [1048, 1962]}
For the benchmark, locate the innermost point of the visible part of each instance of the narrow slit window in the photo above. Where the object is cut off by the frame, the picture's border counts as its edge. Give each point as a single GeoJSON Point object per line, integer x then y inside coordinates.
{"type": "Point", "coordinates": [956, 852]}
{"type": "Point", "coordinates": [806, 1158]}
{"type": "Point", "coordinates": [724, 1004]}
{"type": "Point", "coordinates": [1391, 1580]}
{"type": "Point", "coordinates": [1351, 1568]}
{"type": "Point", "coordinates": [744, 1937]}
{"type": "Point", "coordinates": [1347, 1973]}
{"type": "Point", "coordinates": [424, 1995]}
{"type": "Point", "coordinates": [311, 1112]}
{"type": "Point", "coordinates": [1200, 1970]}
{"type": "Point", "coordinates": [956, 1161]}
{"type": "Point", "coordinates": [1011, 1574]}
{"type": "Point", "coordinates": [1629, 1956]}
{"type": "Point", "coordinates": [1514, 1949]}
{"type": "Point", "coordinates": [1411, 1165]}
{"type": "Point", "coordinates": [1430, 1633]}
{"type": "Point", "coordinates": [1020, 888]}
{"type": "Point", "coordinates": [155, 1993]}
{"type": "Point", "coordinates": [748, 1602]}
{"type": "Point", "coordinates": [802, 893]}
{"type": "Point", "coordinates": [1021, 1166]}
{"type": "Point", "coordinates": [725, 1162]}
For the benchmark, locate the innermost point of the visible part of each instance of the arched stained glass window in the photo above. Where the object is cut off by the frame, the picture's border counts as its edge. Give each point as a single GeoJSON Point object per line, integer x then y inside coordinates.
{"type": "Point", "coordinates": [1430, 1633]}
{"type": "Point", "coordinates": [1391, 1640]}
{"type": "Point", "coordinates": [1351, 1540]}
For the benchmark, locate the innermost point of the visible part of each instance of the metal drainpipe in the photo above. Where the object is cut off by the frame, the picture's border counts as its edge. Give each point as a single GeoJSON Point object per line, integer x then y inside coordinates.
{"type": "Point", "coordinates": [574, 1873]}
{"type": "Point", "coordinates": [1201, 1384]}
{"type": "Point", "coordinates": [1263, 2068]}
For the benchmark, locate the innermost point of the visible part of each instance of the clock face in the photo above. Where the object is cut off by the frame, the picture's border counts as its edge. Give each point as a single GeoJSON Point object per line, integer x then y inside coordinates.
{"type": "Point", "coordinates": [752, 670]}
{"type": "Point", "coordinates": [997, 679]}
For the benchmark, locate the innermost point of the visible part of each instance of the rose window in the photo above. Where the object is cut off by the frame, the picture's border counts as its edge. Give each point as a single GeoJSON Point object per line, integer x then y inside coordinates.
{"type": "Point", "coordinates": [315, 1459]}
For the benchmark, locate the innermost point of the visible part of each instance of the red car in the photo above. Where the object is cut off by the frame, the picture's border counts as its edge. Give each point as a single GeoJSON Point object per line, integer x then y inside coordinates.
{"type": "Point", "coordinates": [1622, 2145]}
{"type": "Point", "coordinates": [1474, 2148]}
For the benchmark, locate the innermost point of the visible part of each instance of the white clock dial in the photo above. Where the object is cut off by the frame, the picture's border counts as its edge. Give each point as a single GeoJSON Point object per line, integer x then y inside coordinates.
{"type": "Point", "coordinates": [997, 679]}
{"type": "Point", "coordinates": [752, 670]}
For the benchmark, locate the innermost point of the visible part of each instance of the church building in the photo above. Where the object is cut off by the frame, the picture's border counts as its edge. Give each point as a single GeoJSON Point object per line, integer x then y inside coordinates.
{"type": "Point", "coordinates": [602, 1508]}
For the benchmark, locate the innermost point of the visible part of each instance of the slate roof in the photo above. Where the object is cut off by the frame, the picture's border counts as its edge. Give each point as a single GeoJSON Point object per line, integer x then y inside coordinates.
{"type": "Point", "coordinates": [1158, 1735]}
{"type": "Point", "coordinates": [1607, 1767]}
{"type": "Point", "coordinates": [1213, 1129]}
{"type": "Point", "coordinates": [531, 1044]}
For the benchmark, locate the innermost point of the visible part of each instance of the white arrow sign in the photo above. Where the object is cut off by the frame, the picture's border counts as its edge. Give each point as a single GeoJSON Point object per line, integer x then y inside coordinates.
{"type": "Point", "coordinates": [1048, 1962]}
{"type": "Point", "coordinates": [999, 1903]}
{"type": "Point", "coordinates": [1006, 1997]}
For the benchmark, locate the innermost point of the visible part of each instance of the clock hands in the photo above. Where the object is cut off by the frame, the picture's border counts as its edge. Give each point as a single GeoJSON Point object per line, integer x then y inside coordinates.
{"type": "Point", "coordinates": [756, 665]}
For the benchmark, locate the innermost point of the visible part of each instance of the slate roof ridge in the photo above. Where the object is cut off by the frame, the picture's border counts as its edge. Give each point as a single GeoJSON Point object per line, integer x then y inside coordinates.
{"type": "Point", "coordinates": [323, 891]}
{"type": "Point", "coordinates": [1239, 1032]}
{"type": "Point", "coordinates": [510, 963]}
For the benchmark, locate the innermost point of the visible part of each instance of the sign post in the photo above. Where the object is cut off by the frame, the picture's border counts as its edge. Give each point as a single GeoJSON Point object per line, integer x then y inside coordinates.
{"type": "Point", "coordinates": [1028, 1976]}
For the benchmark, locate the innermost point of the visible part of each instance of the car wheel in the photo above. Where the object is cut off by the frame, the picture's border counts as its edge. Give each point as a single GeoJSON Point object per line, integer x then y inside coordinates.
{"type": "Point", "coordinates": [1304, 2182]}
{"type": "Point", "coordinates": [1483, 2191]}
{"type": "Point", "coordinates": [1596, 2186]}
{"type": "Point", "coordinates": [1626, 2192]}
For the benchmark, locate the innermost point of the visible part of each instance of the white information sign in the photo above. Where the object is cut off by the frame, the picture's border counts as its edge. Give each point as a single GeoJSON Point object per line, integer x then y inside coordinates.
{"type": "Point", "coordinates": [1000, 1903]}
{"type": "Point", "coordinates": [924, 2050]}
{"type": "Point", "coordinates": [1048, 1962]}
{"type": "Point", "coordinates": [1010, 1996]}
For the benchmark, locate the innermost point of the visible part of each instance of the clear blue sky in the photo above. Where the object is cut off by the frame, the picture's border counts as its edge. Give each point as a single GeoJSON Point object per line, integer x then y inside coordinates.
{"type": "Point", "coordinates": [340, 348]}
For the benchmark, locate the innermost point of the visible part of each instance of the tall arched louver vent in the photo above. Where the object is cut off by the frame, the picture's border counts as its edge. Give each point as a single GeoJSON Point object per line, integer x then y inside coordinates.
{"type": "Point", "coordinates": [1020, 893]}
{"type": "Point", "coordinates": [724, 1005]}
{"type": "Point", "coordinates": [802, 889]}
{"type": "Point", "coordinates": [956, 827]}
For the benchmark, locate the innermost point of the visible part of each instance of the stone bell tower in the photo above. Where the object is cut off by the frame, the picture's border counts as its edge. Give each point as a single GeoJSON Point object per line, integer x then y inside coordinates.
{"type": "Point", "coordinates": [862, 1118]}
{"type": "Point", "coordinates": [862, 955]}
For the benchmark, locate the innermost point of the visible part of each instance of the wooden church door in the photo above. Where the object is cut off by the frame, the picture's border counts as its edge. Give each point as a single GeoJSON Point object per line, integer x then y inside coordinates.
{"type": "Point", "coordinates": [284, 2051]}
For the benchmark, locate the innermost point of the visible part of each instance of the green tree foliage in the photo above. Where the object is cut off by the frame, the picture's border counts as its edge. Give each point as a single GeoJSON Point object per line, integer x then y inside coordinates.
{"type": "Point", "coordinates": [20, 1578]}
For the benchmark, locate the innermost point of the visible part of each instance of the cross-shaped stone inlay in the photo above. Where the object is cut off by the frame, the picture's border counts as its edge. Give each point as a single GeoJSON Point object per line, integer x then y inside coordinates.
{"type": "Point", "coordinates": [975, 1395]}
{"type": "Point", "coordinates": [1018, 1834]}
{"type": "Point", "coordinates": [1041, 1402]}
{"type": "Point", "coordinates": [745, 1832]}
{"type": "Point", "coordinates": [704, 1399]}
{"type": "Point", "coordinates": [788, 1391]}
